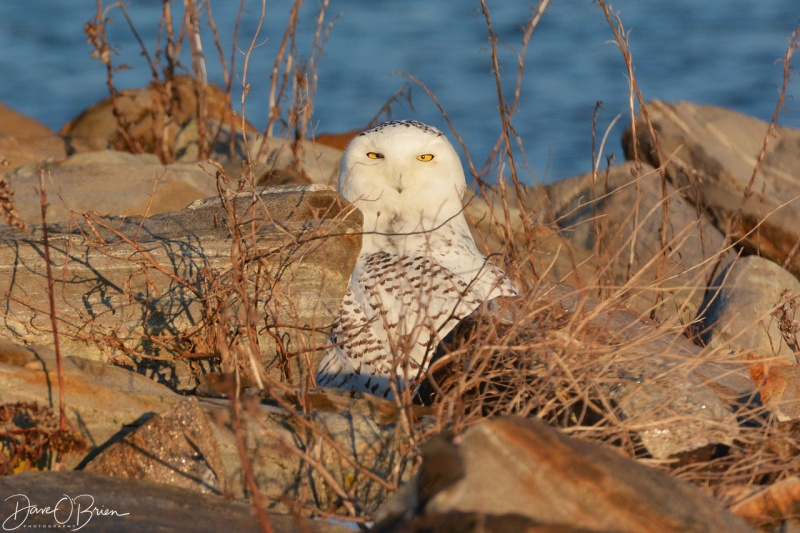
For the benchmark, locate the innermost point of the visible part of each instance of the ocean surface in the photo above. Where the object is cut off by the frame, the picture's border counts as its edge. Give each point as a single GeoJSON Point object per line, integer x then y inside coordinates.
{"type": "Point", "coordinates": [722, 52]}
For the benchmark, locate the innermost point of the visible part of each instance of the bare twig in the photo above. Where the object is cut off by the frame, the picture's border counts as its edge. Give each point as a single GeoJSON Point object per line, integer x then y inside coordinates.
{"type": "Point", "coordinates": [51, 295]}
{"type": "Point", "coordinates": [787, 65]}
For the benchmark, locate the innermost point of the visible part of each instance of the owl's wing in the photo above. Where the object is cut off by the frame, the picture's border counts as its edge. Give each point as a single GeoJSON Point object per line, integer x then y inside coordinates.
{"type": "Point", "coordinates": [455, 251]}
{"type": "Point", "coordinates": [357, 358]}
{"type": "Point", "coordinates": [397, 308]}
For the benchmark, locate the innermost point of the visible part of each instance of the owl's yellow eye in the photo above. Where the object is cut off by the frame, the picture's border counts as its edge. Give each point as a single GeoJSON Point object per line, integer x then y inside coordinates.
{"type": "Point", "coordinates": [374, 155]}
{"type": "Point", "coordinates": [425, 157]}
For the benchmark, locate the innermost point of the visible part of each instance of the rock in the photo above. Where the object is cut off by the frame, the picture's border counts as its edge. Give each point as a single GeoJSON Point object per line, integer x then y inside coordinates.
{"type": "Point", "coordinates": [260, 160]}
{"type": "Point", "coordinates": [619, 219]}
{"type": "Point", "coordinates": [513, 466]}
{"type": "Point", "coordinates": [501, 223]}
{"type": "Point", "coordinates": [778, 384]}
{"type": "Point", "coordinates": [176, 447]}
{"type": "Point", "coordinates": [79, 500]}
{"type": "Point", "coordinates": [773, 508]}
{"type": "Point", "coordinates": [164, 119]}
{"type": "Point", "coordinates": [662, 383]}
{"type": "Point", "coordinates": [710, 154]}
{"type": "Point", "coordinates": [152, 292]}
{"type": "Point", "coordinates": [24, 140]}
{"type": "Point", "coordinates": [283, 177]}
{"type": "Point", "coordinates": [100, 398]}
{"type": "Point", "coordinates": [13, 123]}
{"type": "Point", "coordinates": [337, 140]}
{"type": "Point", "coordinates": [109, 183]}
{"type": "Point", "coordinates": [152, 116]}
{"type": "Point", "coordinates": [752, 307]}
{"type": "Point", "coordinates": [456, 522]}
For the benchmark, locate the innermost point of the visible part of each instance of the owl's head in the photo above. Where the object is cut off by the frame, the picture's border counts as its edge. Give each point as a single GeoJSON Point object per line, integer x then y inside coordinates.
{"type": "Point", "coordinates": [402, 161]}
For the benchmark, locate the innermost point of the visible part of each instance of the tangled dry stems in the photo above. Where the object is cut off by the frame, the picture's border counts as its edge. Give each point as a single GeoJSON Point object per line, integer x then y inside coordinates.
{"type": "Point", "coordinates": [545, 361]}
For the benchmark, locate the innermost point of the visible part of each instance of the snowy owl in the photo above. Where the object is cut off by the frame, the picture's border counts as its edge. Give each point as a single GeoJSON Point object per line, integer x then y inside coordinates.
{"type": "Point", "coordinates": [419, 271]}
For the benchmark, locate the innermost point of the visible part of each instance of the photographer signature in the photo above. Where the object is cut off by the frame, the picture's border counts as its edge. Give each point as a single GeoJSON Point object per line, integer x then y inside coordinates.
{"type": "Point", "coordinates": [72, 512]}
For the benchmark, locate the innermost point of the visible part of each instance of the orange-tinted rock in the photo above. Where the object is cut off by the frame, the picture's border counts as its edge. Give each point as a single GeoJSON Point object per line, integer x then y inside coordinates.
{"type": "Point", "coordinates": [778, 384]}
{"type": "Point", "coordinates": [336, 140]}
{"type": "Point", "coordinates": [14, 123]}
{"type": "Point", "coordinates": [153, 116]}
{"type": "Point", "coordinates": [25, 140]}
{"type": "Point", "coordinates": [772, 506]}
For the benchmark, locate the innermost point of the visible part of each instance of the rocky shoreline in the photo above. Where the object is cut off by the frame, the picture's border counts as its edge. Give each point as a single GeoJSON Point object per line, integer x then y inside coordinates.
{"type": "Point", "coordinates": [659, 319]}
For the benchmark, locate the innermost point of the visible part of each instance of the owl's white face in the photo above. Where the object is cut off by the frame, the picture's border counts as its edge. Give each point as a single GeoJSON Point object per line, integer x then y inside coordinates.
{"type": "Point", "coordinates": [403, 171]}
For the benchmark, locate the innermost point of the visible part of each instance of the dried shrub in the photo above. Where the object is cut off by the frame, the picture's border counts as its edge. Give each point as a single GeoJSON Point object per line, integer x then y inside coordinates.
{"type": "Point", "coordinates": [31, 439]}
{"type": "Point", "coordinates": [538, 360]}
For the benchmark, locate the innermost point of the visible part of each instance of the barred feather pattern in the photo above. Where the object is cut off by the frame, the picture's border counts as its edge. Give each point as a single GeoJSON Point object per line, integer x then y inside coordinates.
{"type": "Point", "coordinates": [395, 311]}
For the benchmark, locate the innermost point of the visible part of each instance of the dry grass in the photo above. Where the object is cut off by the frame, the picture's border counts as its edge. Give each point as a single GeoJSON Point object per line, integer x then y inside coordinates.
{"type": "Point", "coordinates": [556, 362]}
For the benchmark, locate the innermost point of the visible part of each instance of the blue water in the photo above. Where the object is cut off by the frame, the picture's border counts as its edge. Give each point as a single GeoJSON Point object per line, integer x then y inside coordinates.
{"type": "Point", "coordinates": [722, 52]}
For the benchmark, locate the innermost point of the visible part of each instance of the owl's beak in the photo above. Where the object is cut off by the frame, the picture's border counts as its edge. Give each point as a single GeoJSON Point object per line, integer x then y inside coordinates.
{"type": "Point", "coordinates": [398, 182]}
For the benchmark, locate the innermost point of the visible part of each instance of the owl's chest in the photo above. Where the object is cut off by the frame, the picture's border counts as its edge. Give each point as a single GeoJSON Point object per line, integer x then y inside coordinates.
{"type": "Point", "coordinates": [405, 292]}
{"type": "Point", "coordinates": [392, 222]}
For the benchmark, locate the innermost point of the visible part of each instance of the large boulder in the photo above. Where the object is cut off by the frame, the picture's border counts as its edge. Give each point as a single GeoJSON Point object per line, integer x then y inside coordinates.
{"type": "Point", "coordinates": [25, 140]}
{"type": "Point", "coordinates": [711, 154]}
{"type": "Point", "coordinates": [149, 119]}
{"type": "Point", "coordinates": [514, 467]}
{"type": "Point", "coordinates": [622, 217]}
{"type": "Point", "coordinates": [262, 275]}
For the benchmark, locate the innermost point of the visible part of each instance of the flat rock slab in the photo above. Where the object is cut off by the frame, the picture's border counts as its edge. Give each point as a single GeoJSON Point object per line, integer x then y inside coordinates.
{"type": "Point", "coordinates": [150, 291]}
{"type": "Point", "coordinates": [710, 154]}
{"type": "Point", "coordinates": [93, 502]}
{"type": "Point", "coordinates": [109, 183]}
